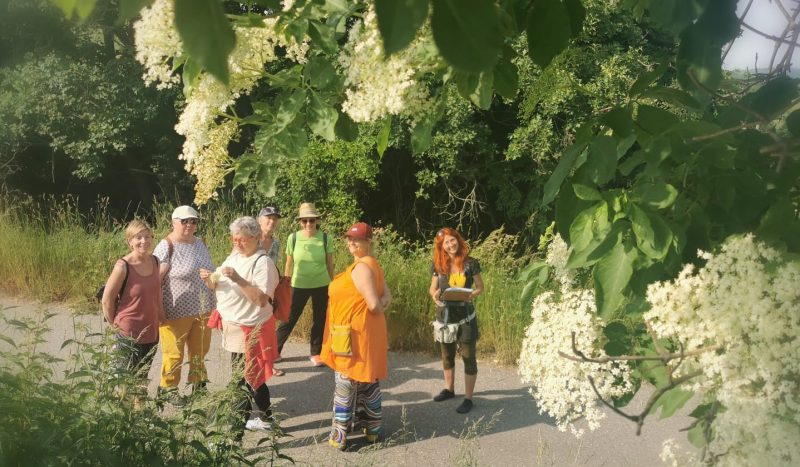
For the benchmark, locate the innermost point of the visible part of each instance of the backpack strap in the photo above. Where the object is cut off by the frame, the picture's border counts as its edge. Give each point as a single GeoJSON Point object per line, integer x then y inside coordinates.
{"type": "Point", "coordinates": [125, 280]}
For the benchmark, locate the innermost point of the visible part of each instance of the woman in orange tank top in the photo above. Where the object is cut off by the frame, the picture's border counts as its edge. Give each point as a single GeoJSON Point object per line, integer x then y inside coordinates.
{"type": "Point", "coordinates": [355, 343]}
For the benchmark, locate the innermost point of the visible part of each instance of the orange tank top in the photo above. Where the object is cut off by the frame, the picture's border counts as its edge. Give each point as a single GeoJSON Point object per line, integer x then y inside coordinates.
{"type": "Point", "coordinates": [369, 339]}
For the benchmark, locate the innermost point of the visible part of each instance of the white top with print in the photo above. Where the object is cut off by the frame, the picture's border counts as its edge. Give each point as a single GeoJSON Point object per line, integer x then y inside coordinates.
{"type": "Point", "coordinates": [185, 294]}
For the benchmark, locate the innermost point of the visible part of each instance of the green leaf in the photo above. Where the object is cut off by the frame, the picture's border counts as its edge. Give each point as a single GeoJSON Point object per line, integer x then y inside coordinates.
{"type": "Point", "coordinates": [466, 83]}
{"type": "Point", "coordinates": [266, 180]}
{"type": "Point", "coordinates": [398, 22]}
{"type": "Point", "coordinates": [611, 277]}
{"type": "Point", "coordinates": [206, 33]}
{"type": "Point", "coordinates": [774, 96]}
{"type": "Point", "coordinates": [699, 59]}
{"type": "Point", "coordinates": [577, 14]}
{"type": "Point", "coordinates": [619, 120]}
{"type": "Point", "coordinates": [83, 8]}
{"type": "Point", "coordinates": [506, 78]}
{"type": "Point", "coordinates": [548, 30]}
{"type": "Point", "coordinates": [467, 33]}
{"type": "Point", "coordinates": [531, 270]}
{"type": "Point", "coordinates": [297, 29]}
{"type": "Point", "coordinates": [780, 225]}
{"type": "Point", "coordinates": [793, 123]}
{"type": "Point", "coordinates": [588, 224]}
{"type": "Point", "coordinates": [482, 97]}
{"type": "Point", "coordinates": [602, 161]}
{"type": "Point", "coordinates": [653, 236]}
{"type": "Point", "coordinates": [292, 142]}
{"type": "Point", "coordinates": [320, 72]}
{"type": "Point", "coordinates": [675, 15]}
{"type": "Point", "coordinates": [671, 401]}
{"type": "Point", "coordinates": [421, 135]}
{"type": "Point", "coordinates": [598, 247]}
{"type": "Point", "coordinates": [657, 195]}
{"type": "Point", "coordinates": [244, 169]}
{"type": "Point", "coordinates": [673, 96]}
{"type": "Point", "coordinates": [129, 9]}
{"type": "Point", "coordinates": [696, 434]}
{"type": "Point", "coordinates": [289, 105]}
{"type": "Point", "coordinates": [646, 79]}
{"type": "Point", "coordinates": [565, 163]}
{"type": "Point", "coordinates": [618, 339]}
{"type": "Point", "coordinates": [288, 78]}
{"type": "Point", "coordinates": [586, 192]}
{"type": "Point", "coordinates": [383, 135]}
{"type": "Point", "coordinates": [324, 36]}
{"type": "Point", "coordinates": [191, 72]}
{"type": "Point", "coordinates": [346, 128]}
{"type": "Point", "coordinates": [322, 118]}
{"type": "Point", "coordinates": [654, 121]}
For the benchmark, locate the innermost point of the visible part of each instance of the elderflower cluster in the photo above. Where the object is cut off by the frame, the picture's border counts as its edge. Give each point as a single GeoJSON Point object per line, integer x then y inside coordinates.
{"type": "Point", "coordinates": [214, 164]}
{"type": "Point", "coordinates": [377, 86]}
{"type": "Point", "coordinates": [557, 256]}
{"type": "Point", "coordinates": [746, 301]}
{"type": "Point", "coordinates": [157, 42]}
{"type": "Point", "coordinates": [561, 386]}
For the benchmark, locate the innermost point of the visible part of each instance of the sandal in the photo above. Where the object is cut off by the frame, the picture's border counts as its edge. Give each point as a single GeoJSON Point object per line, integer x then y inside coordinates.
{"type": "Point", "coordinates": [278, 372]}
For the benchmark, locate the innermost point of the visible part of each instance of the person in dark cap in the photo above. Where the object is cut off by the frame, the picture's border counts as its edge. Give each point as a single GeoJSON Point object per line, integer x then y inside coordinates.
{"type": "Point", "coordinates": [269, 219]}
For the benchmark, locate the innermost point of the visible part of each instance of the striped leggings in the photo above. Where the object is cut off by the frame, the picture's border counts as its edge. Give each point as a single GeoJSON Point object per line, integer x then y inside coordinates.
{"type": "Point", "coordinates": [356, 406]}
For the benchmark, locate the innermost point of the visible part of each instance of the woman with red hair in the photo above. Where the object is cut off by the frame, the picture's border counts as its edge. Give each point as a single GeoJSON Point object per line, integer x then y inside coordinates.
{"type": "Point", "coordinates": [453, 267]}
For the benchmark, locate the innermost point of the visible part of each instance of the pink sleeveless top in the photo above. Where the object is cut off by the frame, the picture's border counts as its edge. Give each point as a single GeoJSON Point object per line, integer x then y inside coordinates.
{"type": "Point", "coordinates": [137, 312]}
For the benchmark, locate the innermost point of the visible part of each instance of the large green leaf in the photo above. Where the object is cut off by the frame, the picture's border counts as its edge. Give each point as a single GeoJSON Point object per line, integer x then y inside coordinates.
{"type": "Point", "coordinates": [324, 36]}
{"type": "Point", "coordinates": [774, 96]}
{"type": "Point", "coordinates": [129, 9]}
{"type": "Point", "coordinates": [466, 82]}
{"type": "Point", "coordinates": [619, 119]}
{"type": "Point", "coordinates": [598, 247]}
{"type": "Point", "coordinates": [577, 14]}
{"type": "Point", "coordinates": [266, 179]}
{"type": "Point", "coordinates": [793, 123]}
{"type": "Point", "coordinates": [548, 30]}
{"type": "Point", "coordinates": [618, 339]}
{"type": "Point", "coordinates": [585, 192]}
{"type": "Point", "coordinates": [482, 96]}
{"type": "Point", "coordinates": [647, 78]}
{"type": "Point", "coordinates": [292, 142]}
{"type": "Point", "coordinates": [83, 8]}
{"type": "Point", "coordinates": [653, 235]}
{"type": "Point", "coordinates": [671, 401]}
{"type": "Point", "coordinates": [675, 15]}
{"type": "Point", "coordinates": [467, 33]}
{"type": "Point", "coordinates": [206, 33]}
{"type": "Point", "coordinates": [398, 22]}
{"type": "Point", "coordinates": [421, 135]}
{"type": "Point", "coordinates": [322, 118]}
{"type": "Point", "coordinates": [602, 161]}
{"type": "Point", "coordinates": [383, 135]}
{"type": "Point", "coordinates": [654, 121]}
{"type": "Point", "coordinates": [346, 128]}
{"type": "Point", "coordinates": [244, 169]}
{"type": "Point", "coordinates": [289, 105]}
{"type": "Point", "coordinates": [657, 195]}
{"type": "Point", "coordinates": [320, 72]}
{"type": "Point", "coordinates": [565, 163]}
{"type": "Point", "coordinates": [506, 79]}
{"type": "Point", "coordinates": [673, 96]}
{"type": "Point", "coordinates": [611, 277]}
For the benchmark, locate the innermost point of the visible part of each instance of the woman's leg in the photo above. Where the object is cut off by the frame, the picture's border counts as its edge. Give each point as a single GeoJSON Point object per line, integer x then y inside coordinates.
{"type": "Point", "coordinates": [369, 413]}
{"type": "Point", "coordinates": [448, 364]}
{"type": "Point", "coordinates": [198, 343]}
{"type": "Point", "coordinates": [319, 305]}
{"type": "Point", "coordinates": [172, 336]}
{"type": "Point", "coordinates": [469, 355]}
{"type": "Point", "coordinates": [299, 300]}
{"type": "Point", "coordinates": [344, 398]}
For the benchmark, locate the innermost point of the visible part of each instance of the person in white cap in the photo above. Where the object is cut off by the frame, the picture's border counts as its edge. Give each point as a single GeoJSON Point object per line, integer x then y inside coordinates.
{"type": "Point", "coordinates": [187, 302]}
{"type": "Point", "coordinates": [309, 262]}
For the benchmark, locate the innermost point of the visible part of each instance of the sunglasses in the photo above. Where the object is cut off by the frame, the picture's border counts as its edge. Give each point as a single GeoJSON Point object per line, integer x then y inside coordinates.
{"type": "Point", "coordinates": [306, 221]}
{"type": "Point", "coordinates": [191, 221]}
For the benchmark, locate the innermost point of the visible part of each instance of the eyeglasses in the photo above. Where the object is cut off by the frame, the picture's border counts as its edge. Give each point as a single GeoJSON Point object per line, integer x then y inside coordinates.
{"type": "Point", "coordinates": [306, 221]}
{"type": "Point", "coordinates": [241, 240]}
{"type": "Point", "coordinates": [191, 221]}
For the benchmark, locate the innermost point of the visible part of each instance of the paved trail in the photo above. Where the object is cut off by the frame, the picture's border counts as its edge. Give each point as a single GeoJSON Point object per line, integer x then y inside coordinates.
{"type": "Point", "coordinates": [420, 432]}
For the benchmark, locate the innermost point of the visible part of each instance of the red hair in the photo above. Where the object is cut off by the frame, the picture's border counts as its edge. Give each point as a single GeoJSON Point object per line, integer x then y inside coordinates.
{"type": "Point", "coordinates": [441, 260]}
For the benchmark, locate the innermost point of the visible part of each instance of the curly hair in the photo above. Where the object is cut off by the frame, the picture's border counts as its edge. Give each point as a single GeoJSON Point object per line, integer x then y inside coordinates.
{"type": "Point", "coordinates": [441, 260]}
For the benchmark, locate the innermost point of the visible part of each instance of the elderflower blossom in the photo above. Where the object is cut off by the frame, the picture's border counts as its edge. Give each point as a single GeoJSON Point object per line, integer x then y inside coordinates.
{"type": "Point", "coordinates": [377, 86]}
{"type": "Point", "coordinates": [557, 256]}
{"type": "Point", "coordinates": [559, 385]}
{"type": "Point", "coordinates": [746, 300]}
{"type": "Point", "coordinates": [674, 455]}
{"type": "Point", "coordinates": [157, 41]}
{"type": "Point", "coordinates": [212, 162]}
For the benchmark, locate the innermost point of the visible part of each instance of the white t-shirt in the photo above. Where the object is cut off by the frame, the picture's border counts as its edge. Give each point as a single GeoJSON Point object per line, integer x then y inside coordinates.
{"type": "Point", "coordinates": [257, 269]}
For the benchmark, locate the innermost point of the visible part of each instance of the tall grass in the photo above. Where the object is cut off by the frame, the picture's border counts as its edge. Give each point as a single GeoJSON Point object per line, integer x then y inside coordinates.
{"type": "Point", "coordinates": [50, 251]}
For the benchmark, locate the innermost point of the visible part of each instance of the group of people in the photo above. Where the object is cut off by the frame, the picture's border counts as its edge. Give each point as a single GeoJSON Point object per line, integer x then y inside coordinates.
{"type": "Point", "coordinates": [175, 297]}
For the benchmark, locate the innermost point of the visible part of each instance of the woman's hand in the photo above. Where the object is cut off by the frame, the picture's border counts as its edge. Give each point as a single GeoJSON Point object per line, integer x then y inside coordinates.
{"type": "Point", "coordinates": [209, 278]}
{"type": "Point", "coordinates": [436, 298]}
{"type": "Point", "coordinates": [231, 274]}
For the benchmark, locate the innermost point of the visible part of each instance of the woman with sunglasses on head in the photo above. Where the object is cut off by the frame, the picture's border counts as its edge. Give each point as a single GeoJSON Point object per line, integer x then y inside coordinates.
{"type": "Point", "coordinates": [453, 267]}
{"type": "Point", "coordinates": [309, 262]}
{"type": "Point", "coordinates": [245, 285]}
{"type": "Point", "coordinates": [187, 302]}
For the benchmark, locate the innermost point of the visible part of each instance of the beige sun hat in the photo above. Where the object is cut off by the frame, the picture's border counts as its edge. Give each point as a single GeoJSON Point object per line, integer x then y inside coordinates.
{"type": "Point", "coordinates": [307, 210]}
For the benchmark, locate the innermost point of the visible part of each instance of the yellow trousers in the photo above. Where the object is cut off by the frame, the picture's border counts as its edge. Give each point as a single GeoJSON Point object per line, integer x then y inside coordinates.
{"type": "Point", "coordinates": [192, 333]}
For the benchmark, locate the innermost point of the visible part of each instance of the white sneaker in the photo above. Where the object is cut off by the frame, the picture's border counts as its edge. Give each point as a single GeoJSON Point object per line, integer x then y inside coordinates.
{"type": "Point", "coordinates": [257, 424]}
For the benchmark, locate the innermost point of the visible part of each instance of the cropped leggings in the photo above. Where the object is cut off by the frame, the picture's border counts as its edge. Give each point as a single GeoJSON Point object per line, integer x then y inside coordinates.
{"type": "Point", "coordinates": [467, 351]}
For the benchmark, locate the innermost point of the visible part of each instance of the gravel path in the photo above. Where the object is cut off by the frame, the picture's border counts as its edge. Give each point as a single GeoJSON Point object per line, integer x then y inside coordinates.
{"type": "Point", "coordinates": [504, 429]}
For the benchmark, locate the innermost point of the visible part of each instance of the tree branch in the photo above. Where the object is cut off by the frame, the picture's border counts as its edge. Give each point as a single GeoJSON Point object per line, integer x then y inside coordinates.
{"type": "Point", "coordinates": [666, 357]}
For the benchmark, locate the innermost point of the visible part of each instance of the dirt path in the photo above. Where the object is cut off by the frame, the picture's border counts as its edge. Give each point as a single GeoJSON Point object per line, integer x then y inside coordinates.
{"type": "Point", "coordinates": [419, 431]}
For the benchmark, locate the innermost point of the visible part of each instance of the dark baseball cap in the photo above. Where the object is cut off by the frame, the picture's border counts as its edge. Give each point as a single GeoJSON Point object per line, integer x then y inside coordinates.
{"type": "Point", "coordinates": [270, 211]}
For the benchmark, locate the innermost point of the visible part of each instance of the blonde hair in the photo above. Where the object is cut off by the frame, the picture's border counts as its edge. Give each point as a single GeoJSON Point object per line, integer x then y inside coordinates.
{"type": "Point", "coordinates": [134, 227]}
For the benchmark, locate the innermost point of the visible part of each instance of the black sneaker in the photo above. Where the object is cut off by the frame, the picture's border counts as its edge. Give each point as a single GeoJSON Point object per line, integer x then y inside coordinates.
{"type": "Point", "coordinates": [444, 395]}
{"type": "Point", "coordinates": [466, 406]}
